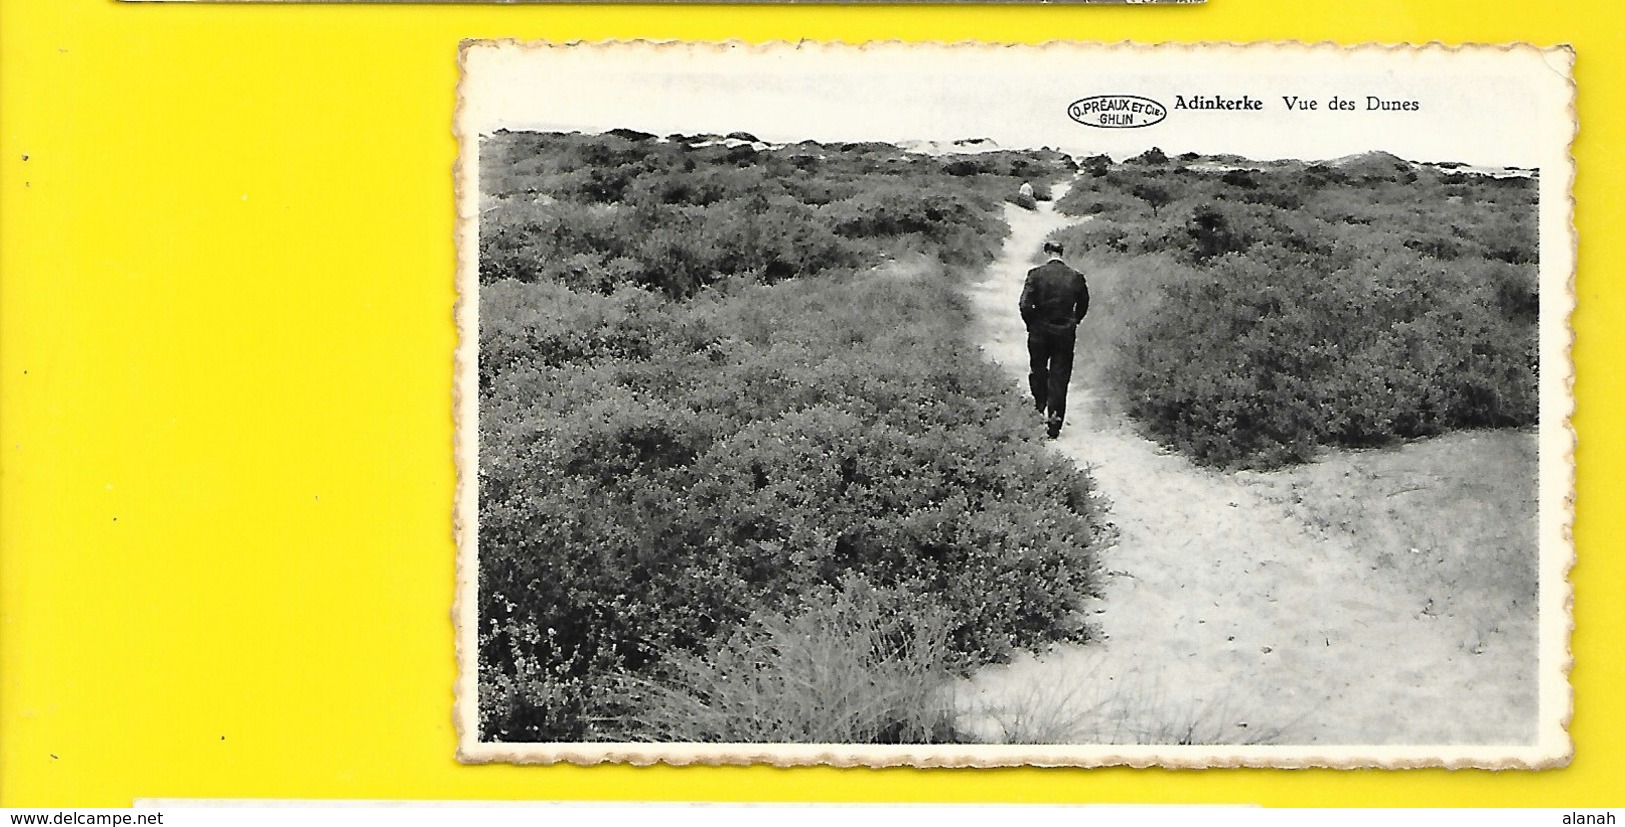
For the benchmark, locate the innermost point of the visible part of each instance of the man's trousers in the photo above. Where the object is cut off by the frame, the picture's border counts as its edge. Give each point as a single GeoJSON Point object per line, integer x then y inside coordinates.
{"type": "Point", "coordinates": [1051, 371]}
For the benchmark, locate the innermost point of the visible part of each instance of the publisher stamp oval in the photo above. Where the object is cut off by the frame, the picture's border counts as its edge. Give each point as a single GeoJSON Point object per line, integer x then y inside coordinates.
{"type": "Point", "coordinates": [1117, 111]}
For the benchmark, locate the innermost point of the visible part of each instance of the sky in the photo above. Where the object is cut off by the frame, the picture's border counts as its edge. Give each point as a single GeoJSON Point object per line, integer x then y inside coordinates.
{"type": "Point", "coordinates": [1486, 107]}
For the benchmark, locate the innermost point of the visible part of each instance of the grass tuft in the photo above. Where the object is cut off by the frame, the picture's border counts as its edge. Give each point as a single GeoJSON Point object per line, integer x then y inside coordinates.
{"type": "Point", "coordinates": [850, 671]}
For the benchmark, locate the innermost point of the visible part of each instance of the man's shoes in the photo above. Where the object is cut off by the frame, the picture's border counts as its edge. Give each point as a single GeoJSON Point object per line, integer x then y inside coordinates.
{"type": "Point", "coordinates": [1054, 427]}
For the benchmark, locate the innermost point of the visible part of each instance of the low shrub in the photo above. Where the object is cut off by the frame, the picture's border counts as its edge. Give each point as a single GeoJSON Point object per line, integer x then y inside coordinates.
{"type": "Point", "coordinates": [596, 212]}
{"type": "Point", "coordinates": [635, 505]}
{"type": "Point", "coordinates": [1299, 307]}
{"type": "Point", "coordinates": [1244, 367]}
{"type": "Point", "coordinates": [699, 418]}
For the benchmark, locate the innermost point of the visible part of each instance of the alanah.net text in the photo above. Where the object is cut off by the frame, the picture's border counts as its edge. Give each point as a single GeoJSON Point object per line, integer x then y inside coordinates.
{"type": "Point", "coordinates": [1588, 818]}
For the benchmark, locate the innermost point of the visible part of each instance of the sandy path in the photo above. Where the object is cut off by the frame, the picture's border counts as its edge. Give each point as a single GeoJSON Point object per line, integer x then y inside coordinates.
{"type": "Point", "coordinates": [1226, 618]}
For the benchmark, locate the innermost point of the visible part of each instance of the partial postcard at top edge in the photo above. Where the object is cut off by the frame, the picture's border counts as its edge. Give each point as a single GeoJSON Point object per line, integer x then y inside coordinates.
{"type": "Point", "coordinates": [983, 404]}
{"type": "Point", "coordinates": [731, 2]}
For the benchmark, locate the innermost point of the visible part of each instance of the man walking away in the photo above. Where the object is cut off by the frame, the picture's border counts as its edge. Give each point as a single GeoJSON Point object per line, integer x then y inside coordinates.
{"type": "Point", "coordinates": [1053, 302]}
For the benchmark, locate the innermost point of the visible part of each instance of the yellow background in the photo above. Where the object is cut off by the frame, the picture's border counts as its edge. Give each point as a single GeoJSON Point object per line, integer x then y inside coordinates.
{"type": "Point", "coordinates": [225, 358]}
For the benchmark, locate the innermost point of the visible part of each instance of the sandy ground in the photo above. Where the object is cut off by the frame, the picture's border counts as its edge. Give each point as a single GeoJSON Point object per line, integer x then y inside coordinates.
{"type": "Point", "coordinates": [1245, 608]}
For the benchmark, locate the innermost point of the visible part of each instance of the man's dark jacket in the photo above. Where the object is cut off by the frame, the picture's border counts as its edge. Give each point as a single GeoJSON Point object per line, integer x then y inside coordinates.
{"type": "Point", "coordinates": [1055, 298]}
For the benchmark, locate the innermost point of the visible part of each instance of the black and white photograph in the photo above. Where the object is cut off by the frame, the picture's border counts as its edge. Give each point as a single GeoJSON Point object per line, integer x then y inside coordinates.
{"type": "Point", "coordinates": [981, 405]}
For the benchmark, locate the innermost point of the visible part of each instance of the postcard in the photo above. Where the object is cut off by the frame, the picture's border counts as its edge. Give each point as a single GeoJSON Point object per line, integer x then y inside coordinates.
{"type": "Point", "coordinates": [986, 404]}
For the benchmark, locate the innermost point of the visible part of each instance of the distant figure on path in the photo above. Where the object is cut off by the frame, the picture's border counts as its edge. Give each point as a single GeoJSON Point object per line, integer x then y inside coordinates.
{"type": "Point", "coordinates": [1025, 198]}
{"type": "Point", "coordinates": [1053, 302]}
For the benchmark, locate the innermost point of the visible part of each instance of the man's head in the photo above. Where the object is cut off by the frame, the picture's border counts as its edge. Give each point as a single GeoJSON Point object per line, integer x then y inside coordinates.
{"type": "Point", "coordinates": [1054, 248]}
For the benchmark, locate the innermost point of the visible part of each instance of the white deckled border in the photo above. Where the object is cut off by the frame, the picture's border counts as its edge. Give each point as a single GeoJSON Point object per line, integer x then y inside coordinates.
{"type": "Point", "coordinates": [1558, 254]}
